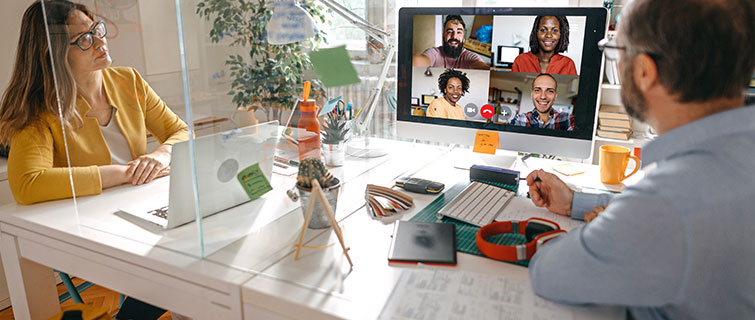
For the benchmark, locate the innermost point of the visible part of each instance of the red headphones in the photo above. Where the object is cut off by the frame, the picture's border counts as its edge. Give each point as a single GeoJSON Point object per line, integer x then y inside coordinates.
{"type": "Point", "coordinates": [537, 231]}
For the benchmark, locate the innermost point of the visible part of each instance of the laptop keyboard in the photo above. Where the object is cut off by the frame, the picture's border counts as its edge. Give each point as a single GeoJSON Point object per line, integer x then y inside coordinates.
{"type": "Point", "coordinates": [479, 204]}
{"type": "Point", "coordinates": [161, 212]}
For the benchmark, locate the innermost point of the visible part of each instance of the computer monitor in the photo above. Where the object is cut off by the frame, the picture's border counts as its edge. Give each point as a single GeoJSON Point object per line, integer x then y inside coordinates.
{"type": "Point", "coordinates": [505, 55]}
{"type": "Point", "coordinates": [578, 75]}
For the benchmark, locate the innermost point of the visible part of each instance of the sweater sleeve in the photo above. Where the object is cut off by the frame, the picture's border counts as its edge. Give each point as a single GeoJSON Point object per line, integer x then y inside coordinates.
{"type": "Point", "coordinates": [32, 177]}
{"type": "Point", "coordinates": [165, 125]}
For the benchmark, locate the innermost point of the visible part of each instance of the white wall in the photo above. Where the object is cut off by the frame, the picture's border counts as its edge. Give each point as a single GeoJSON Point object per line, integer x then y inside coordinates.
{"type": "Point", "coordinates": [10, 23]}
{"type": "Point", "coordinates": [478, 86]}
{"type": "Point", "coordinates": [515, 31]}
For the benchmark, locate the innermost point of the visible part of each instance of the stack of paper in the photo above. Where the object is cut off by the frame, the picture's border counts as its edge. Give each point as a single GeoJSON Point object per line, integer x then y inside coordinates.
{"type": "Point", "coordinates": [614, 122]}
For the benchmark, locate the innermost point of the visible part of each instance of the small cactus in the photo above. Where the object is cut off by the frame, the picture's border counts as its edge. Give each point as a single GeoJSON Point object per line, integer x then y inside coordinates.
{"type": "Point", "coordinates": [311, 169]}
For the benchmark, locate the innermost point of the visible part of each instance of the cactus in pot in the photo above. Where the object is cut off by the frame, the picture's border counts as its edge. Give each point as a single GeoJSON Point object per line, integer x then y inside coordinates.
{"type": "Point", "coordinates": [313, 169]}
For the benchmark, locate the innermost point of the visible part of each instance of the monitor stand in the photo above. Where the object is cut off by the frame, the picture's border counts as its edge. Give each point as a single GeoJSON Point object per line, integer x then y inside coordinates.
{"type": "Point", "coordinates": [465, 158]}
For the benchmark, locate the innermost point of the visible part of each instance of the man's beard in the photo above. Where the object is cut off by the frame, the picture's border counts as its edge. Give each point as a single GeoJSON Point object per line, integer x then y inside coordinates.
{"type": "Point", "coordinates": [634, 102]}
{"type": "Point", "coordinates": [452, 52]}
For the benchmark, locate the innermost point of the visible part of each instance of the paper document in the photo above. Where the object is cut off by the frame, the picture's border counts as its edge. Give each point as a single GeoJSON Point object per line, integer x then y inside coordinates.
{"type": "Point", "coordinates": [449, 294]}
{"type": "Point", "coordinates": [521, 208]}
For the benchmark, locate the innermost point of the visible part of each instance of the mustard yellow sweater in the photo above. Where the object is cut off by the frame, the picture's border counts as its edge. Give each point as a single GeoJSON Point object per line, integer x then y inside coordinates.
{"type": "Point", "coordinates": [37, 167]}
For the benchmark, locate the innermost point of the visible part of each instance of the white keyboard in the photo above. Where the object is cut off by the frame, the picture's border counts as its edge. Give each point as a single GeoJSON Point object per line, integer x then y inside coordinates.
{"type": "Point", "coordinates": [479, 204]}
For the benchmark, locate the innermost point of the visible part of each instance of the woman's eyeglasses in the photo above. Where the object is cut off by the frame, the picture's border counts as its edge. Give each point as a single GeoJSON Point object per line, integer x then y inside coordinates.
{"type": "Point", "coordinates": [85, 41]}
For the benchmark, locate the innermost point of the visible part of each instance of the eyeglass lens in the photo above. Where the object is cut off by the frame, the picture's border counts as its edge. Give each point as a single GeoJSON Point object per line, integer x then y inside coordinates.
{"type": "Point", "coordinates": [610, 48]}
{"type": "Point", "coordinates": [86, 41]}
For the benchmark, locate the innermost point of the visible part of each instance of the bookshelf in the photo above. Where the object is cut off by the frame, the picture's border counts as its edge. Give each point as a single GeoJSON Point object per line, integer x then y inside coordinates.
{"type": "Point", "coordinates": [611, 94]}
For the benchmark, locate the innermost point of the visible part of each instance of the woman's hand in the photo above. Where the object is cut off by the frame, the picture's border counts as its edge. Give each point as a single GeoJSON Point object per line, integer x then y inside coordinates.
{"type": "Point", "coordinates": [547, 190]}
{"type": "Point", "coordinates": [590, 216]}
{"type": "Point", "coordinates": [150, 166]}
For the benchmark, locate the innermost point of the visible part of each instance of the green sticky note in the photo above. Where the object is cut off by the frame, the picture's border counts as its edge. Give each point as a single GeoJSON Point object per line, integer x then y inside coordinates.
{"type": "Point", "coordinates": [334, 67]}
{"type": "Point", "coordinates": [254, 181]}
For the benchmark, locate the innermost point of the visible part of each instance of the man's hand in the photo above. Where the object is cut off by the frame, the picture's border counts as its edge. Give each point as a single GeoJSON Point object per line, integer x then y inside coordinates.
{"type": "Point", "coordinates": [150, 166]}
{"type": "Point", "coordinates": [590, 216]}
{"type": "Point", "coordinates": [550, 192]}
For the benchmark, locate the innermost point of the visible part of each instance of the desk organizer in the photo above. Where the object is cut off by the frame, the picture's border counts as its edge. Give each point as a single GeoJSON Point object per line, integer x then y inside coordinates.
{"type": "Point", "coordinates": [465, 233]}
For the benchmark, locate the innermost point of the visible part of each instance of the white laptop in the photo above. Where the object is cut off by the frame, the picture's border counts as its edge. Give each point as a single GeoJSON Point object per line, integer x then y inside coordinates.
{"type": "Point", "coordinates": [219, 159]}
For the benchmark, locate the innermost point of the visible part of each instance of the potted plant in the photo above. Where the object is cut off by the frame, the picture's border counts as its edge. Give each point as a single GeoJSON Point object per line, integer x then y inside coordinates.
{"type": "Point", "coordinates": [335, 132]}
{"type": "Point", "coordinates": [313, 169]}
{"type": "Point", "coordinates": [267, 76]}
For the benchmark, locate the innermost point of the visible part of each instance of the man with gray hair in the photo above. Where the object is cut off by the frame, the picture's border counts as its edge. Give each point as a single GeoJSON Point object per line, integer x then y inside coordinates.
{"type": "Point", "coordinates": [678, 244]}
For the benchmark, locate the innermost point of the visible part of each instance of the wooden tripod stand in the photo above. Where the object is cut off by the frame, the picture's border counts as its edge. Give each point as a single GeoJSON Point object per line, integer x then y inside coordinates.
{"type": "Point", "coordinates": [319, 195]}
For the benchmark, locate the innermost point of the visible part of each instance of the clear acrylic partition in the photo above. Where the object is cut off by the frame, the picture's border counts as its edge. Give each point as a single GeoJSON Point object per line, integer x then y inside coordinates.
{"type": "Point", "coordinates": [241, 79]}
{"type": "Point", "coordinates": [175, 63]}
{"type": "Point", "coordinates": [118, 69]}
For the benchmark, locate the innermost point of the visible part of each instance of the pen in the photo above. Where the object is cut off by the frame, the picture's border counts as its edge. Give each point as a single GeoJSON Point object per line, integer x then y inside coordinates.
{"type": "Point", "coordinates": [286, 161]}
{"type": "Point", "coordinates": [525, 178]}
{"type": "Point", "coordinates": [277, 164]}
{"type": "Point", "coordinates": [348, 110]}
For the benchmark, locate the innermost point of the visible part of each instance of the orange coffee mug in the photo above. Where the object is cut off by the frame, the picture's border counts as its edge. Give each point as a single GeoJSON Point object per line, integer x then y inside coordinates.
{"type": "Point", "coordinates": [613, 164]}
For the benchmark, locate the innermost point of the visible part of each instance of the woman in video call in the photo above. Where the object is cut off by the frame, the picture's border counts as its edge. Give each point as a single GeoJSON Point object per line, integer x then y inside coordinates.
{"type": "Point", "coordinates": [549, 38]}
{"type": "Point", "coordinates": [453, 84]}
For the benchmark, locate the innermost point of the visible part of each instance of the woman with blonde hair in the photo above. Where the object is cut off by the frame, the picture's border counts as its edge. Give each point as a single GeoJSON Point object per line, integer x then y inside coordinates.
{"type": "Point", "coordinates": [66, 107]}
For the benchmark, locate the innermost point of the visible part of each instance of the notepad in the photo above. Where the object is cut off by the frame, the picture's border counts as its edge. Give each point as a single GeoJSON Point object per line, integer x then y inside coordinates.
{"type": "Point", "coordinates": [423, 242]}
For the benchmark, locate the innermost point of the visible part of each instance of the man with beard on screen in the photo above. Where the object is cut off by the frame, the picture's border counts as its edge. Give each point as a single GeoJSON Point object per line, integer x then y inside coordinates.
{"type": "Point", "coordinates": [452, 53]}
{"type": "Point", "coordinates": [544, 94]}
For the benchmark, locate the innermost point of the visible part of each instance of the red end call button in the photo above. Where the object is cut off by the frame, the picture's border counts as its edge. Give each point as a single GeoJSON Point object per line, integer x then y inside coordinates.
{"type": "Point", "coordinates": [487, 111]}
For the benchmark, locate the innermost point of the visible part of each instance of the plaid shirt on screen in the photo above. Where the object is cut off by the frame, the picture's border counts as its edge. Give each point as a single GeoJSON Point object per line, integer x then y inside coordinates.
{"type": "Point", "coordinates": [557, 120]}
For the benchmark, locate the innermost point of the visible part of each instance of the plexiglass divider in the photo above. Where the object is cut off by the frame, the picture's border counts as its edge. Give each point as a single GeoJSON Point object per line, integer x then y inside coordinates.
{"type": "Point", "coordinates": [168, 75]}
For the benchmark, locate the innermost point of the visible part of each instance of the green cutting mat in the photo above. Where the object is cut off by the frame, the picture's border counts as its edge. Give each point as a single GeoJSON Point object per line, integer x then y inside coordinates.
{"type": "Point", "coordinates": [465, 232]}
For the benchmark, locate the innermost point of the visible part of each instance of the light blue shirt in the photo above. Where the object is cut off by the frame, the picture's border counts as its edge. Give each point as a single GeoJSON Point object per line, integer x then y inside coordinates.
{"type": "Point", "coordinates": [678, 244]}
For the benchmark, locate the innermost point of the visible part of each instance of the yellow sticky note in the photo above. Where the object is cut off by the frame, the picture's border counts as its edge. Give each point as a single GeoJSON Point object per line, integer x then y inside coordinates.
{"type": "Point", "coordinates": [485, 142]}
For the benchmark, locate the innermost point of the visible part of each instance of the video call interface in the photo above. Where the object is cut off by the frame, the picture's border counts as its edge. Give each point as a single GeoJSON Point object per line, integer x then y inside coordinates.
{"type": "Point", "coordinates": [512, 70]}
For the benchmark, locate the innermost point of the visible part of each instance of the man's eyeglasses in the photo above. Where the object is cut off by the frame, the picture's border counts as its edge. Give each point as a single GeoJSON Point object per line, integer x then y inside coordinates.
{"type": "Point", "coordinates": [610, 48]}
{"type": "Point", "coordinates": [85, 41]}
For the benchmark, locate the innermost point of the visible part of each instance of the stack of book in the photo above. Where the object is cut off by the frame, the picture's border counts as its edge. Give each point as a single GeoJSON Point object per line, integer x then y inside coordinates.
{"type": "Point", "coordinates": [614, 123]}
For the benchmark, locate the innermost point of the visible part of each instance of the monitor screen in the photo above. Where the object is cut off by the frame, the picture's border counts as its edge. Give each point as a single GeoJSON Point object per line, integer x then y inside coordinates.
{"type": "Point", "coordinates": [544, 111]}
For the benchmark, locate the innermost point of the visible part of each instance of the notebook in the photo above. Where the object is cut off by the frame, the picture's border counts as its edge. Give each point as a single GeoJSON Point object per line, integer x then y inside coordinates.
{"type": "Point", "coordinates": [220, 158]}
{"type": "Point", "coordinates": [423, 242]}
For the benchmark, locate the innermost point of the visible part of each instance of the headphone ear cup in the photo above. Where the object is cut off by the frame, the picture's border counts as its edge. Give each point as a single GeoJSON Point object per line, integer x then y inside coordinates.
{"type": "Point", "coordinates": [548, 236]}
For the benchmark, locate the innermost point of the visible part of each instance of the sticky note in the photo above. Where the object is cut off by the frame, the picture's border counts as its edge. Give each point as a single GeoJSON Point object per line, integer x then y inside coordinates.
{"type": "Point", "coordinates": [289, 23]}
{"type": "Point", "coordinates": [334, 67]}
{"type": "Point", "coordinates": [254, 181]}
{"type": "Point", "coordinates": [485, 142]}
{"type": "Point", "coordinates": [329, 106]}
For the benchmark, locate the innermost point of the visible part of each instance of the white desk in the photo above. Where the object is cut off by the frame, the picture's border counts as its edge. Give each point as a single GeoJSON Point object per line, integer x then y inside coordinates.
{"type": "Point", "coordinates": [254, 276]}
{"type": "Point", "coordinates": [156, 266]}
{"type": "Point", "coordinates": [320, 286]}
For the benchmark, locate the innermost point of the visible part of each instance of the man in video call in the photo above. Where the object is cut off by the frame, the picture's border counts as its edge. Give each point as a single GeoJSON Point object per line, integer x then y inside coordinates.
{"type": "Point", "coordinates": [544, 94]}
{"type": "Point", "coordinates": [677, 244]}
{"type": "Point", "coordinates": [452, 53]}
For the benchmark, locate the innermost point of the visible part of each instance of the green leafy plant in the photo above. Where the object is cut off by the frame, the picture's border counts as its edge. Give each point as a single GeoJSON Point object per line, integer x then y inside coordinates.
{"type": "Point", "coordinates": [334, 129]}
{"type": "Point", "coordinates": [313, 169]}
{"type": "Point", "coordinates": [269, 75]}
